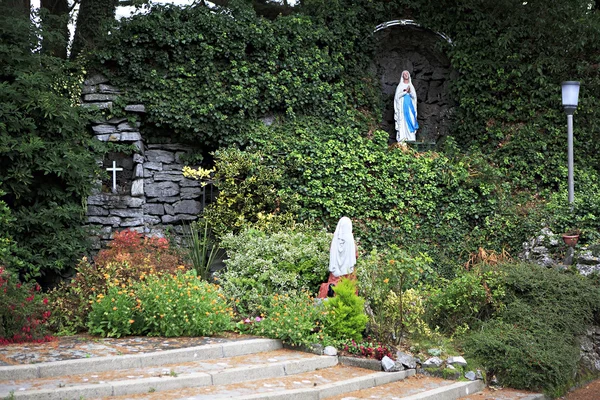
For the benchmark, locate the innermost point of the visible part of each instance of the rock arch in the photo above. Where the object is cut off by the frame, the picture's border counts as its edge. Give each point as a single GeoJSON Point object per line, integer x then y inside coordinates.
{"type": "Point", "coordinates": [404, 44]}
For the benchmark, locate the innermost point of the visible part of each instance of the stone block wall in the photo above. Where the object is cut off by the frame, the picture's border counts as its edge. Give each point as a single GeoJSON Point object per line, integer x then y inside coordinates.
{"type": "Point", "coordinates": [152, 194]}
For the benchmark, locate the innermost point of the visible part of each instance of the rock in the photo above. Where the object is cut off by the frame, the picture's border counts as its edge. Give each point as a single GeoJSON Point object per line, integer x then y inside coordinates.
{"type": "Point", "coordinates": [138, 158]}
{"type": "Point", "coordinates": [103, 88]}
{"type": "Point", "coordinates": [160, 156]}
{"type": "Point", "coordinates": [113, 221]}
{"type": "Point", "coordinates": [99, 97]}
{"type": "Point", "coordinates": [89, 89]}
{"type": "Point", "coordinates": [126, 126]}
{"type": "Point", "coordinates": [127, 212]}
{"type": "Point", "coordinates": [188, 193]}
{"type": "Point", "coordinates": [435, 352]}
{"type": "Point", "coordinates": [450, 367]}
{"type": "Point", "coordinates": [152, 166]}
{"type": "Point", "coordinates": [388, 364]}
{"type": "Point", "coordinates": [138, 171]}
{"type": "Point", "coordinates": [137, 188]}
{"type": "Point", "coordinates": [330, 351]}
{"type": "Point", "coordinates": [187, 207]}
{"type": "Point", "coordinates": [458, 360]}
{"type": "Point", "coordinates": [103, 129]}
{"type": "Point", "coordinates": [113, 137]}
{"type": "Point", "coordinates": [128, 223]}
{"type": "Point", "coordinates": [137, 108]}
{"type": "Point", "coordinates": [162, 189]}
{"type": "Point", "coordinates": [185, 182]}
{"type": "Point", "coordinates": [95, 80]}
{"type": "Point", "coordinates": [114, 201]}
{"type": "Point", "coordinates": [100, 106]}
{"type": "Point", "coordinates": [471, 376]}
{"type": "Point", "coordinates": [167, 219]}
{"type": "Point", "coordinates": [173, 176]}
{"type": "Point", "coordinates": [406, 359]}
{"type": "Point", "coordinates": [587, 258]}
{"type": "Point", "coordinates": [130, 136]}
{"type": "Point", "coordinates": [154, 209]}
{"type": "Point", "coordinates": [432, 362]}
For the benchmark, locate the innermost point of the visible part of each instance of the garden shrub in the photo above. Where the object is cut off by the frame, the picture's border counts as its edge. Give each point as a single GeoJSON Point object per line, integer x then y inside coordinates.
{"type": "Point", "coordinates": [532, 342]}
{"type": "Point", "coordinates": [295, 319]}
{"type": "Point", "coordinates": [261, 264]}
{"type": "Point", "coordinates": [24, 311]}
{"type": "Point", "coordinates": [467, 300]}
{"type": "Point", "coordinates": [345, 316]}
{"type": "Point", "coordinates": [47, 157]}
{"type": "Point", "coordinates": [384, 278]}
{"type": "Point", "coordinates": [130, 257]}
{"type": "Point", "coordinates": [167, 305]}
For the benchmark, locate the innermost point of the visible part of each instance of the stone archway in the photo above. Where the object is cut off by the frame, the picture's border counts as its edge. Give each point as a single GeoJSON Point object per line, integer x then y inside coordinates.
{"type": "Point", "coordinates": [404, 44]}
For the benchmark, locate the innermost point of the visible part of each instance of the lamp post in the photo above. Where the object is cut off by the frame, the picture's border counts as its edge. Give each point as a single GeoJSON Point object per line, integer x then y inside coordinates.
{"type": "Point", "coordinates": [570, 96]}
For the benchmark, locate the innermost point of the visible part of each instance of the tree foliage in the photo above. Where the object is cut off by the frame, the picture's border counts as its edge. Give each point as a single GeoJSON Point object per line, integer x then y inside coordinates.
{"type": "Point", "coordinates": [46, 163]}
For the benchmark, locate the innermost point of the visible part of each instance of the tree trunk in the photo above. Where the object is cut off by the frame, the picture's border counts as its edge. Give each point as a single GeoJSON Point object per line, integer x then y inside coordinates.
{"type": "Point", "coordinates": [94, 15]}
{"type": "Point", "coordinates": [55, 28]}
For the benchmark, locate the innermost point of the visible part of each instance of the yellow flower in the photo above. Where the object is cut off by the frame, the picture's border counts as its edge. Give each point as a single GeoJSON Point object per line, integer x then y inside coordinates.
{"type": "Point", "coordinates": [386, 280]}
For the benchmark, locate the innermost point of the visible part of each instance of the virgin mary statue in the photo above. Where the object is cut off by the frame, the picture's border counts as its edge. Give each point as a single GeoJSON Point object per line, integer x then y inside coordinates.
{"type": "Point", "coordinates": [405, 109]}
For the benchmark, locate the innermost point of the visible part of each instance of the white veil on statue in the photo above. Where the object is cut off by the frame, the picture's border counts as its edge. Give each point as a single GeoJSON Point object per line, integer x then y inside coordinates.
{"type": "Point", "coordinates": [342, 254]}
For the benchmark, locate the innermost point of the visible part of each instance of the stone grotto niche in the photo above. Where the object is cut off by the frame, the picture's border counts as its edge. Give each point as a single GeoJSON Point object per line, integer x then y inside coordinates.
{"type": "Point", "coordinates": [410, 47]}
{"type": "Point", "coordinates": [124, 173]}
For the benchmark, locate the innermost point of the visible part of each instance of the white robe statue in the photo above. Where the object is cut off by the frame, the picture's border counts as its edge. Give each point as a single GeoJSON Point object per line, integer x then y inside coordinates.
{"type": "Point", "coordinates": [405, 109]}
{"type": "Point", "coordinates": [342, 254]}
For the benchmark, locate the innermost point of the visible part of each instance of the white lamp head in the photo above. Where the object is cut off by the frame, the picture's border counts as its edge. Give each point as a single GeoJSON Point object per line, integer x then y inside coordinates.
{"type": "Point", "coordinates": [570, 95]}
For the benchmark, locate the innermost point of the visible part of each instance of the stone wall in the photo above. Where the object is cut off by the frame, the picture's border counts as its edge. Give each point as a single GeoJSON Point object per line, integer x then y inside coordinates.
{"type": "Point", "coordinates": [151, 194]}
{"type": "Point", "coordinates": [548, 250]}
{"type": "Point", "coordinates": [414, 49]}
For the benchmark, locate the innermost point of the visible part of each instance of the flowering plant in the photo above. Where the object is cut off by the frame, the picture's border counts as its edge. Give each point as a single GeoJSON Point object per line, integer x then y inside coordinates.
{"type": "Point", "coordinates": [168, 305]}
{"type": "Point", "coordinates": [23, 311]}
{"type": "Point", "coordinates": [131, 257]}
{"type": "Point", "coordinates": [368, 349]}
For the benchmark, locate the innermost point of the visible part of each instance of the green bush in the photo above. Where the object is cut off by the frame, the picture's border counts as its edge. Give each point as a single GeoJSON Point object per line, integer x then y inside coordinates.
{"type": "Point", "coordinates": [467, 300]}
{"type": "Point", "coordinates": [345, 317]}
{"type": "Point", "coordinates": [383, 278]}
{"type": "Point", "coordinates": [262, 263]}
{"type": "Point", "coordinates": [47, 157]}
{"type": "Point", "coordinates": [168, 305]}
{"type": "Point", "coordinates": [295, 319]}
{"type": "Point", "coordinates": [532, 342]}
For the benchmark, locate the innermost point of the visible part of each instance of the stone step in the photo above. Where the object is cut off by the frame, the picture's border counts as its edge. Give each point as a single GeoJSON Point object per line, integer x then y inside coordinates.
{"type": "Point", "coordinates": [142, 360]}
{"type": "Point", "coordinates": [417, 387]}
{"type": "Point", "coordinates": [245, 369]}
{"type": "Point", "coordinates": [318, 384]}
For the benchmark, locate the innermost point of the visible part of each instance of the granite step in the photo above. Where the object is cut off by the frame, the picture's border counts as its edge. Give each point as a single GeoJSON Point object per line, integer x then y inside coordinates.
{"type": "Point", "coordinates": [318, 384]}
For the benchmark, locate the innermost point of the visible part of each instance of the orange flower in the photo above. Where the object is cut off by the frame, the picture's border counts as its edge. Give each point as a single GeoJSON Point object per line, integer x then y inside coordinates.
{"type": "Point", "coordinates": [386, 280]}
{"type": "Point", "coordinates": [131, 321]}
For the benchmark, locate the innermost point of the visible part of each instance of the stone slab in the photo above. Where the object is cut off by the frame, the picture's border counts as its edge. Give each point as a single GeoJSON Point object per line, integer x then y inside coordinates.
{"type": "Point", "coordinates": [451, 392]}
{"type": "Point", "coordinates": [349, 385]}
{"type": "Point", "coordinates": [250, 346]}
{"type": "Point", "coordinates": [311, 364]}
{"type": "Point", "coordinates": [365, 363]}
{"type": "Point", "coordinates": [144, 385]}
{"type": "Point", "coordinates": [236, 375]}
{"type": "Point", "coordinates": [68, 393]}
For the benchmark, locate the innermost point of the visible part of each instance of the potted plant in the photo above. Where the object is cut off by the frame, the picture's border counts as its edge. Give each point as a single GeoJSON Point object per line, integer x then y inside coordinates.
{"type": "Point", "coordinates": [571, 236]}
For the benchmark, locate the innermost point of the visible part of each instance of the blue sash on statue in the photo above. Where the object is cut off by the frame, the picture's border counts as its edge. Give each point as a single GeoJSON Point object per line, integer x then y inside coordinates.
{"type": "Point", "coordinates": [410, 114]}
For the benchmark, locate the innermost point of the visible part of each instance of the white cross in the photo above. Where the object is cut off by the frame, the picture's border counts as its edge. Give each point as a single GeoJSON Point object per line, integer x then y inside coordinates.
{"type": "Point", "coordinates": [114, 170]}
